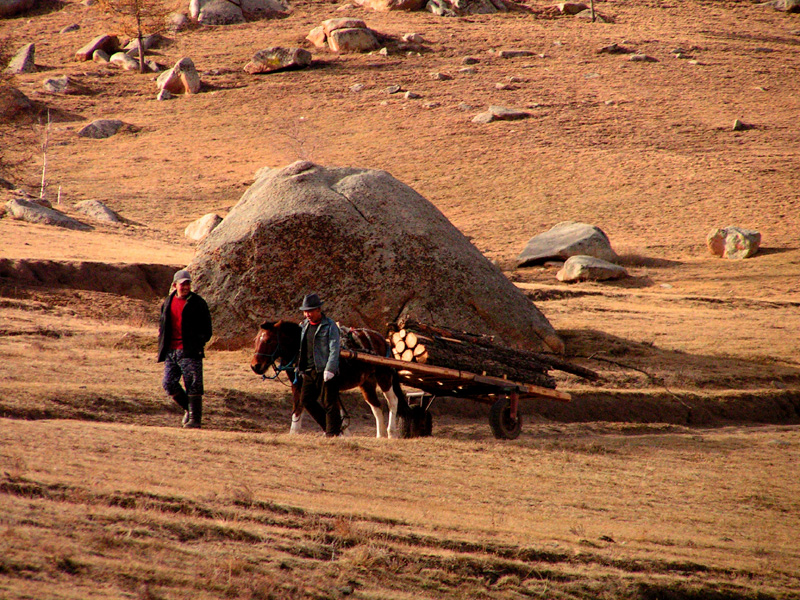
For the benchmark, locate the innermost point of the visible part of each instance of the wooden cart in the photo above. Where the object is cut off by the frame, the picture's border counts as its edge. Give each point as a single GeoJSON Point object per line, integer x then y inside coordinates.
{"type": "Point", "coordinates": [502, 395]}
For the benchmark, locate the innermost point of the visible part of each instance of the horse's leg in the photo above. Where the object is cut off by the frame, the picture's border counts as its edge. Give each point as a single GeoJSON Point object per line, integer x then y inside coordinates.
{"type": "Point", "coordinates": [297, 410]}
{"type": "Point", "coordinates": [395, 398]}
{"type": "Point", "coordinates": [371, 397]}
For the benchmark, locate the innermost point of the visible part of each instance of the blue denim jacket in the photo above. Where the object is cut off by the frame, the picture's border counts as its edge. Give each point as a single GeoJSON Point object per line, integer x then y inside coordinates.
{"type": "Point", "coordinates": [327, 343]}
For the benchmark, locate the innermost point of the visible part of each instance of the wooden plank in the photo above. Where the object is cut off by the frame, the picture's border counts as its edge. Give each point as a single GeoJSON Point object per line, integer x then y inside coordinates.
{"type": "Point", "coordinates": [505, 385]}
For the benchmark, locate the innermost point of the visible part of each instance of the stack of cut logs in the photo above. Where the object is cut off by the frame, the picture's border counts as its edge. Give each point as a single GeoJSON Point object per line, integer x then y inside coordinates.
{"type": "Point", "coordinates": [413, 341]}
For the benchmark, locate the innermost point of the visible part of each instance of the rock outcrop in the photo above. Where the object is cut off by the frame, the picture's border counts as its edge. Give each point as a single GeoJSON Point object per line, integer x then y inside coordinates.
{"type": "Point", "coordinates": [24, 210]}
{"type": "Point", "coordinates": [372, 247]}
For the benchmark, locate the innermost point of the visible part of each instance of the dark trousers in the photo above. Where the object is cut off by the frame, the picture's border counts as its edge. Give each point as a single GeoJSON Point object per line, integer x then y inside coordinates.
{"type": "Point", "coordinates": [176, 366]}
{"type": "Point", "coordinates": [321, 400]}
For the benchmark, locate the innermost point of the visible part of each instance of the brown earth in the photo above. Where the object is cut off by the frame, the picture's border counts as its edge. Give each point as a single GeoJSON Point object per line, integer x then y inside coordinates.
{"type": "Point", "coordinates": [644, 150]}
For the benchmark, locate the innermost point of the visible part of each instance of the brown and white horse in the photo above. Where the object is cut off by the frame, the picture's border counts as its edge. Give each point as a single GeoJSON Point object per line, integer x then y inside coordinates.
{"type": "Point", "coordinates": [277, 345]}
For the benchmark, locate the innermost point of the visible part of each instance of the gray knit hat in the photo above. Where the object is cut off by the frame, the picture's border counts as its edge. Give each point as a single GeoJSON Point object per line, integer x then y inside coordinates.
{"type": "Point", "coordinates": [181, 275]}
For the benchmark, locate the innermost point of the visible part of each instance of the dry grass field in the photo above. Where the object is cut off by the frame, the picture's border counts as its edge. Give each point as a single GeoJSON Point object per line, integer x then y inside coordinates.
{"type": "Point", "coordinates": [673, 477]}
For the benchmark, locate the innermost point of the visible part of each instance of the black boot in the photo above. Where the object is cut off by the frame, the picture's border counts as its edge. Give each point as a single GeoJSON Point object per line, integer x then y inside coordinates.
{"type": "Point", "coordinates": [182, 400]}
{"type": "Point", "coordinates": [195, 412]}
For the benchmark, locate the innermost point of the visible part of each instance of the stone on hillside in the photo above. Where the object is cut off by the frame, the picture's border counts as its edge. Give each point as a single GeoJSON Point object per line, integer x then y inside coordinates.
{"type": "Point", "coordinates": [62, 85]}
{"type": "Point", "coordinates": [387, 5]}
{"type": "Point", "coordinates": [107, 43]}
{"type": "Point", "coordinates": [460, 8]}
{"type": "Point", "coordinates": [278, 59]}
{"type": "Point", "coordinates": [642, 58]}
{"type": "Point", "coordinates": [177, 21]}
{"type": "Point", "coordinates": [786, 5]}
{"type": "Point", "coordinates": [614, 49]}
{"type": "Point", "coordinates": [733, 242]}
{"type": "Point", "coordinates": [413, 38]}
{"type": "Point", "coordinates": [101, 57]}
{"type": "Point", "coordinates": [199, 229]}
{"type": "Point", "coordinates": [148, 41]}
{"type": "Point", "coordinates": [265, 9]}
{"type": "Point", "coordinates": [571, 8]}
{"type": "Point", "coordinates": [317, 37]}
{"type": "Point", "coordinates": [514, 53]}
{"type": "Point", "coordinates": [23, 210]}
{"type": "Point", "coordinates": [164, 95]}
{"type": "Point", "coordinates": [98, 211]}
{"type": "Point", "coordinates": [124, 61]}
{"type": "Point", "coordinates": [101, 128]}
{"type": "Point", "coordinates": [564, 240]}
{"type": "Point", "coordinates": [500, 113]}
{"type": "Point", "coordinates": [353, 39]}
{"type": "Point", "coordinates": [24, 61]}
{"type": "Point", "coordinates": [12, 102]}
{"type": "Point", "coordinates": [587, 14]}
{"type": "Point", "coordinates": [372, 247]}
{"type": "Point", "coordinates": [70, 28]}
{"type": "Point", "coordinates": [215, 12]}
{"type": "Point", "coordinates": [589, 268]}
{"type": "Point", "coordinates": [9, 8]}
{"type": "Point", "coordinates": [180, 79]}
{"type": "Point", "coordinates": [342, 23]}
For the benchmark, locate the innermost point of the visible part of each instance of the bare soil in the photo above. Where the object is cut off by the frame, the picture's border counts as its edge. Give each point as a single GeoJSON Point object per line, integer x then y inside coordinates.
{"type": "Point", "coordinates": [684, 455]}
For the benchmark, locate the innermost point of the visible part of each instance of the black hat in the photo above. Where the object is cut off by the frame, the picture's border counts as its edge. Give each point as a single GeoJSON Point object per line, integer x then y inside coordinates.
{"type": "Point", "coordinates": [310, 302]}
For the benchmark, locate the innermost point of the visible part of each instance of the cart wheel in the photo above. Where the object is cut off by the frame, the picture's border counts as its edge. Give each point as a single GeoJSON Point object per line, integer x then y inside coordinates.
{"type": "Point", "coordinates": [503, 426]}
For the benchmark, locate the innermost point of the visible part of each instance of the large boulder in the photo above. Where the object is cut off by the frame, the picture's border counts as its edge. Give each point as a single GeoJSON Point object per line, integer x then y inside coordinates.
{"type": "Point", "coordinates": [564, 240]}
{"type": "Point", "coordinates": [24, 210]}
{"type": "Point", "coordinates": [98, 211]}
{"type": "Point", "coordinates": [9, 8]}
{"type": "Point", "coordinates": [372, 247]}
{"type": "Point", "coordinates": [183, 78]}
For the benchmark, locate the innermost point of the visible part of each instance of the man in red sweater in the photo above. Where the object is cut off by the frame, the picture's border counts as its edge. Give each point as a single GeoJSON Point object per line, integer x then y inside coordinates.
{"type": "Point", "coordinates": [183, 331]}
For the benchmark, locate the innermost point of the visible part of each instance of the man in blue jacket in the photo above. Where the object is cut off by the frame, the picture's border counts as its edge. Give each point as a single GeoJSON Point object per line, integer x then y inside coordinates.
{"type": "Point", "coordinates": [183, 331]}
{"type": "Point", "coordinates": [319, 363]}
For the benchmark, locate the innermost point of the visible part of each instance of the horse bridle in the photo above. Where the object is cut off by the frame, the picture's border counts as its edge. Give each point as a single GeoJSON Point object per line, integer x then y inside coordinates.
{"type": "Point", "coordinates": [273, 359]}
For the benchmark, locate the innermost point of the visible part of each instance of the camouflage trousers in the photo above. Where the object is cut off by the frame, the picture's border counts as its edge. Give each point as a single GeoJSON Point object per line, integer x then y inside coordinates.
{"type": "Point", "coordinates": [176, 366]}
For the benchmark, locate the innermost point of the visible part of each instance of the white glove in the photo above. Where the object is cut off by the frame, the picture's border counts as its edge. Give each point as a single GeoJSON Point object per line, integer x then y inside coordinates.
{"type": "Point", "coordinates": [327, 376]}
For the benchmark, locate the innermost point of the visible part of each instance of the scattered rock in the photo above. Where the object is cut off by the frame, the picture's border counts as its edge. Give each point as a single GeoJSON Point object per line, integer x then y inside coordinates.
{"type": "Point", "coordinates": [101, 128]}
{"type": "Point", "coordinates": [564, 240]}
{"type": "Point", "coordinates": [164, 95]}
{"type": "Point", "coordinates": [265, 9]}
{"type": "Point", "coordinates": [642, 58]}
{"type": "Point", "coordinates": [387, 5]}
{"type": "Point", "coordinates": [467, 71]}
{"type": "Point", "coordinates": [177, 21]}
{"type": "Point", "coordinates": [500, 113]}
{"type": "Point", "coordinates": [514, 53]}
{"type": "Point", "coordinates": [24, 210]}
{"type": "Point", "coordinates": [373, 247]}
{"type": "Point", "coordinates": [460, 8]}
{"type": "Point", "coordinates": [62, 85]}
{"type": "Point", "coordinates": [70, 28]}
{"type": "Point", "coordinates": [470, 60]}
{"type": "Point", "coordinates": [413, 38]}
{"type": "Point", "coordinates": [277, 58]}
{"type": "Point", "coordinates": [317, 37]}
{"type": "Point", "coordinates": [12, 102]}
{"type": "Point", "coordinates": [353, 39]}
{"type": "Point", "coordinates": [739, 125]}
{"type": "Point", "coordinates": [342, 23]}
{"type": "Point", "coordinates": [733, 242]}
{"type": "Point", "coordinates": [412, 96]}
{"type": "Point", "coordinates": [199, 229]}
{"type": "Point", "coordinates": [587, 15]}
{"type": "Point", "coordinates": [463, 106]}
{"type": "Point", "coordinates": [431, 105]}
{"type": "Point", "coordinates": [216, 12]}
{"type": "Point", "coordinates": [441, 76]}
{"type": "Point", "coordinates": [107, 43]}
{"type": "Point", "coordinates": [589, 268]}
{"type": "Point", "coordinates": [149, 42]}
{"type": "Point", "coordinates": [24, 61]}
{"type": "Point", "coordinates": [614, 49]}
{"type": "Point", "coordinates": [788, 6]}
{"type": "Point", "coordinates": [393, 89]}
{"type": "Point", "coordinates": [124, 61]}
{"type": "Point", "coordinates": [10, 8]}
{"type": "Point", "coordinates": [180, 79]}
{"type": "Point", "coordinates": [571, 8]}
{"type": "Point", "coordinates": [357, 87]}
{"type": "Point", "coordinates": [101, 57]}
{"type": "Point", "coordinates": [98, 211]}
{"type": "Point", "coordinates": [505, 86]}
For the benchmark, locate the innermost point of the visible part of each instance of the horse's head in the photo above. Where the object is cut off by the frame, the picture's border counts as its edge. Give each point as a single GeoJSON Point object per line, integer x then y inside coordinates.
{"type": "Point", "coordinates": [266, 347]}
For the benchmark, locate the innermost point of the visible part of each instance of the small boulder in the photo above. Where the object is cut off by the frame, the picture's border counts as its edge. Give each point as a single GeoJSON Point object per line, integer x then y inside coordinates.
{"type": "Point", "coordinates": [69, 28]}
{"type": "Point", "coordinates": [124, 61]}
{"type": "Point", "coordinates": [278, 59]}
{"type": "Point", "coordinates": [23, 61]}
{"type": "Point", "coordinates": [98, 211]}
{"type": "Point", "coordinates": [514, 53]}
{"type": "Point", "coordinates": [733, 242]}
{"type": "Point", "coordinates": [180, 79]}
{"type": "Point", "coordinates": [101, 128]}
{"type": "Point", "coordinates": [148, 41]}
{"type": "Point", "coordinates": [589, 268]}
{"type": "Point", "coordinates": [353, 39]}
{"type": "Point", "coordinates": [500, 113]}
{"type": "Point", "coordinates": [107, 43]}
{"type": "Point", "coordinates": [317, 37]}
{"type": "Point", "coordinates": [24, 210]}
{"type": "Point", "coordinates": [642, 58]}
{"type": "Point", "coordinates": [199, 229]}
{"type": "Point", "coordinates": [265, 9]}
{"type": "Point", "coordinates": [571, 8]}
{"type": "Point", "coordinates": [176, 21]}
{"type": "Point", "coordinates": [564, 240]}
{"type": "Point", "coordinates": [62, 85]}
{"type": "Point", "coordinates": [460, 8]}
{"type": "Point", "coordinates": [101, 57]}
{"type": "Point", "coordinates": [12, 102]}
{"type": "Point", "coordinates": [215, 12]}
{"type": "Point", "coordinates": [342, 23]}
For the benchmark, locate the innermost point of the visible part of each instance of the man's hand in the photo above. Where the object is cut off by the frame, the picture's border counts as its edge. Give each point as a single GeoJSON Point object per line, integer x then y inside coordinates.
{"type": "Point", "coordinates": [327, 376]}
